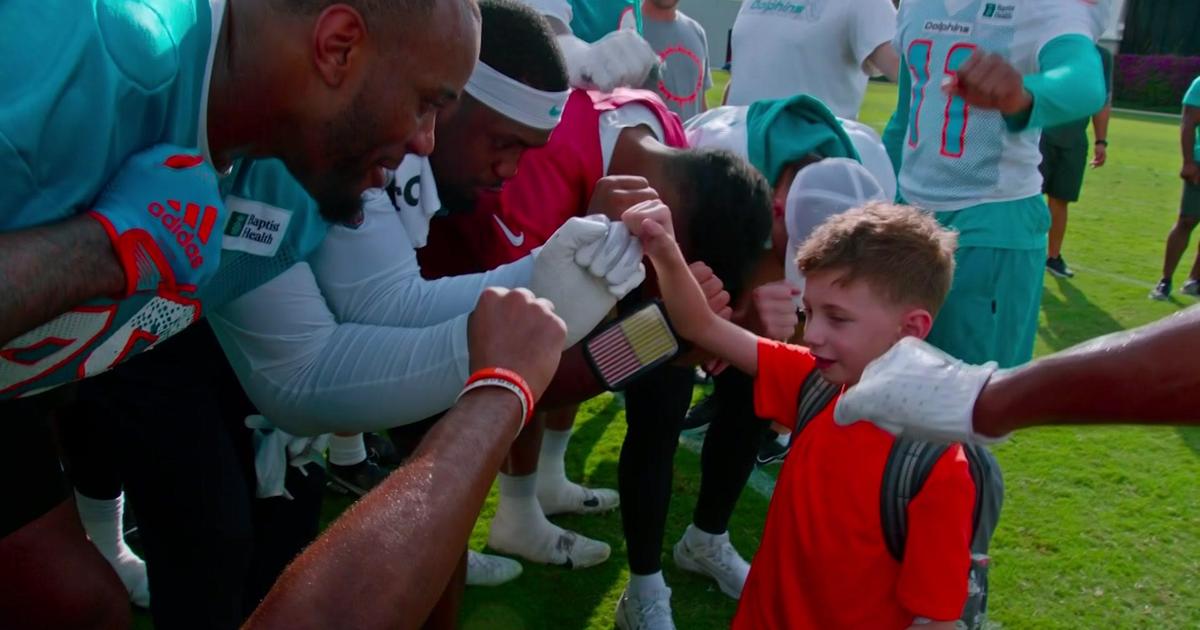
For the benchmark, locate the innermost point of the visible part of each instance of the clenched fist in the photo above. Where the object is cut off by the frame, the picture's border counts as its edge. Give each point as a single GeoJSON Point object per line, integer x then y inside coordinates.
{"type": "Point", "coordinates": [771, 312]}
{"type": "Point", "coordinates": [987, 80]}
{"type": "Point", "coordinates": [615, 194]}
{"type": "Point", "coordinates": [512, 329]}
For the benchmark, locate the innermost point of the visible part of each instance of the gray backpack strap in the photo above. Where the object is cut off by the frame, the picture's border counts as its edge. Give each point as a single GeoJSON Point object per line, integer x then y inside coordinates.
{"type": "Point", "coordinates": [908, 466]}
{"type": "Point", "coordinates": [815, 395]}
{"type": "Point", "coordinates": [989, 495]}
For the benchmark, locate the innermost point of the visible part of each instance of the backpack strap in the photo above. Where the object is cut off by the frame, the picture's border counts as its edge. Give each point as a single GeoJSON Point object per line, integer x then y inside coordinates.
{"type": "Point", "coordinates": [989, 495]}
{"type": "Point", "coordinates": [908, 466]}
{"type": "Point", "coordinates": [815, 394]}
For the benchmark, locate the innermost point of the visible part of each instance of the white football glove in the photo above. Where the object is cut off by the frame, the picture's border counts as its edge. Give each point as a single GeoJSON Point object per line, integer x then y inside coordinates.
{"type": "Point", "coordinates": [621, 58]}
{"type": "Point", "coordinates": [617, 258]}
{"type": "Point", "coordinates": [919, 391]}
{"type": "Point", "coordinates": [582, 298]}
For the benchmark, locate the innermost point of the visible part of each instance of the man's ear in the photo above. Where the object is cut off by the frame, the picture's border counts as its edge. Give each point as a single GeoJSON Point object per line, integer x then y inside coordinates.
{"type": "Point", "coordinates": [916, 323]}
{"type": "Point", "coordinates": [339, 39]}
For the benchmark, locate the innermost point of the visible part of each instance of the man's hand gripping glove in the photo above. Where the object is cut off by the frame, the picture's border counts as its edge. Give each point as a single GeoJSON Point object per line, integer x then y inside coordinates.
{"type": "Point", "coordinates": [585, 267]}
{"type": "Point", "coordinates": [164, 215]}
{"type": "Point", "coordinates": [919, 391]}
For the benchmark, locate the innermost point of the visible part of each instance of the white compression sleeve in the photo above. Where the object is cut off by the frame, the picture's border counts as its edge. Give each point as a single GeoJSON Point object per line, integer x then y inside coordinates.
{"type": "Point", "coordinates": [309, 374]}
{"type": "Point", "coordinates": [370, 275]}
{"type": "Point", "coordinates": [363, 344]}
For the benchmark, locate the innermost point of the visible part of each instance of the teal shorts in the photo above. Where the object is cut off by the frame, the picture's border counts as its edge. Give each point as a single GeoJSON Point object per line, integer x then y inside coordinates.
{"type": "Point", "coordinates": [991, 313]}
{"type": "Point", "coordinates": [1189, 205]}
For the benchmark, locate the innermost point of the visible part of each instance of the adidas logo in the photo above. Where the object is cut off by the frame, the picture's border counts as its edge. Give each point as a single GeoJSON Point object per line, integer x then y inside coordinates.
{"type": "Point", "coordinates": [188, 224]}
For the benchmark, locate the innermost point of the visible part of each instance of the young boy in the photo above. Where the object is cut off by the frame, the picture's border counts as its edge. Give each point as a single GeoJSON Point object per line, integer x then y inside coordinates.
{"type": "Point", "coordinates": [874, 274]}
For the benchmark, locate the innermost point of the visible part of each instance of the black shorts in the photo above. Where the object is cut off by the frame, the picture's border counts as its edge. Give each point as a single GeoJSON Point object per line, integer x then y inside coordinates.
{"type": "Point", "coordinates": [1062, 169]}
{"type": "Point", "coordinates": [30, 467]}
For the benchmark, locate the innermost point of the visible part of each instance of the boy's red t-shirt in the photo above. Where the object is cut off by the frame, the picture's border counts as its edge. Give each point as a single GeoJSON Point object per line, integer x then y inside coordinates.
{"type": "Point", "coordinates": [823, 562]}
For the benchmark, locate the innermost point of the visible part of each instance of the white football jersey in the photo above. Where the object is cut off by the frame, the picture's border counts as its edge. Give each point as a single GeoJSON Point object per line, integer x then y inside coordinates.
{"type": "Point", "coordinates": [956, 156]}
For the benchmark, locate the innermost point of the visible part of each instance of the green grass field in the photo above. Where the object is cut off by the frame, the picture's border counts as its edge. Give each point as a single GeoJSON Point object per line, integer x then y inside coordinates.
{"type": "Point", "coordinates": [1101, 527]}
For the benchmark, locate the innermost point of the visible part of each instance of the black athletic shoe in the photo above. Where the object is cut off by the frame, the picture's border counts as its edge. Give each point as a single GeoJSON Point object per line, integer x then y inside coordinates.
{"type": "Point", "coordinates": [772, 452]}
{"type": "Point", "coordinates": [358, 479]}
{"type": "Point", "coordinates": [701, 414]}
{"type": "Point", "coordinates": [381, 451]}
{"type": "Point", "coordinates": [1191, 287]}
{"type": "Point", "coordinates": [1058, 267]}
{"type": "Point", "coordinates": [1162, 291]}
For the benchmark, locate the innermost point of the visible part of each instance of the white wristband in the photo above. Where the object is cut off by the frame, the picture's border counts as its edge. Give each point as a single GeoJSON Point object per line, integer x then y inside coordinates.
{"type": "Point", "coordinates": [506, 384]}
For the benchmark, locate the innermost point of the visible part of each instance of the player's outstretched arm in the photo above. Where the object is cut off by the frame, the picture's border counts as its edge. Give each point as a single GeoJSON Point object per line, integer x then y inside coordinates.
{"type": "Point", "coordinates": [47, 270]}
{"type": "Point", "coordinates": [1145, 376]}
{"type": "Point", "coordinates": [394, 551]}
{"type": "Point", "coordinates": [685, 299]}
{"type": "Point", "coordinates": [1141, 376]}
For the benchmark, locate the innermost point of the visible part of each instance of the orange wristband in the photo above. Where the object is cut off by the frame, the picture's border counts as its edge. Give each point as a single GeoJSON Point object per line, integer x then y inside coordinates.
{"type": "Point", "coordinates": [507, 379]}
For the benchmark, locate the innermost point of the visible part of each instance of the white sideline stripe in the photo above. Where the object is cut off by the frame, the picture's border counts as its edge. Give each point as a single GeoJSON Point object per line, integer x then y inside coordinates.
{"type": "Point", "coordinates": [1116, 277]}
{"type": "Point", "coordinates": [1139, 112]}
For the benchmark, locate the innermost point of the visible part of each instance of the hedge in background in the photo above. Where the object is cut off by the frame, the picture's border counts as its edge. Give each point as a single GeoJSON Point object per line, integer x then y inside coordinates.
{"type": "Point", "coordinates": [1157, 81]}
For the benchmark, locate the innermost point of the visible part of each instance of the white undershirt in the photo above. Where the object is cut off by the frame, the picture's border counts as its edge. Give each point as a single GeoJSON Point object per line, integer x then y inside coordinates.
{"type": "Point", "coordinates": [355, 339]}
{"type": "Point", "coordinates": [629, 115]}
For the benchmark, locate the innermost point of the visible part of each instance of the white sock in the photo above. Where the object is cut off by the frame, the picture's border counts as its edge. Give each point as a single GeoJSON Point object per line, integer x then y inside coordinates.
{"type": "Point", "coordinates": [518, 500]}
{"type": "Point", "coordinates": [783, 438]}
{"type": "Point", "coordinates": [101, 520]}
{"type": "Point", "coordinates": [347, 450]}
{"type": "Point", "coordinates": [696, 537]}
{"type": "Point", "coordinates": [552, 459]}
{"type": "Point", "coordinates": [646, 586]}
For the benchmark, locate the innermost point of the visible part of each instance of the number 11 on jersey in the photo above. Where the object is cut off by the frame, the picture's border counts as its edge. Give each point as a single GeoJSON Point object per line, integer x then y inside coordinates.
{"type": "Point", "coordinates": [954, 122]}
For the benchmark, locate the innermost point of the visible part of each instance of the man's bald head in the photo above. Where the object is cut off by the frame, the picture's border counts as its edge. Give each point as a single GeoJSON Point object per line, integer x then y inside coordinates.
{"type": "Point", "coordinates": [358, 84]}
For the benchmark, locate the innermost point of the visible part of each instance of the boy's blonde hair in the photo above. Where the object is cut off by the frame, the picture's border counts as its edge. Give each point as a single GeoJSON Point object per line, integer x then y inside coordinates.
{"type": "Point", "coordinates": [900, 251]}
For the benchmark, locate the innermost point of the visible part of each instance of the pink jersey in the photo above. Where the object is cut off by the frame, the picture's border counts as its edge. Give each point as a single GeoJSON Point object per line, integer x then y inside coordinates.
{"type": "Point", "coordinates": [553, 184]}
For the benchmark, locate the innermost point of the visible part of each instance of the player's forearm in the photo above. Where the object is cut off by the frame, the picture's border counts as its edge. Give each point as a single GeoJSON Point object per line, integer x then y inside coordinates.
{"type": "Point", "coordinates": [885, 60]}
{"type": "Point", "coordinates": [393, 552]}
{"type": "Point", "coordinates": [897, 125]}
{"type": "Point", "coordinates": [1100, 123]}
{"type": "Point", "coordinates": [1146, 375]}
{"type": "Point", "coordinates": [47, 270]}
{"type": "Point", "coordinates": [1069, 85]}
{"type": "Point", "coordinates": [1187, 140]}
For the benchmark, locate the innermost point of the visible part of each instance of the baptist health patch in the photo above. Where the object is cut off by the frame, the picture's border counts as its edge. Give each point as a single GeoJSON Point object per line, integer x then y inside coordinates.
{"type": "Point", "coordinates": [254, 227]}
{"type": "Point", "coordinates": [997, 12]}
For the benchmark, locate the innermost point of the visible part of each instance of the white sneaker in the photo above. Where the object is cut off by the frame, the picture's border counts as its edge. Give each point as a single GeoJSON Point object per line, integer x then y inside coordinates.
{"type": "Point", "coordinates": [572, 498]}
{"type": "Point", "coordinates": [719, 561]}
{"type": "Point", "coordinates": [488, 570]}
{"type": "Point", "coordinates": [546, 544]}
{"type": "Point", "coordinates": [653, 613]}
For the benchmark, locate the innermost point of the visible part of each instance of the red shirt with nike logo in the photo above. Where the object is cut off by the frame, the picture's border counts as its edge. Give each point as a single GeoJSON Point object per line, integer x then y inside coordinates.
{"type": "Point", "coordinates": [553, 184]}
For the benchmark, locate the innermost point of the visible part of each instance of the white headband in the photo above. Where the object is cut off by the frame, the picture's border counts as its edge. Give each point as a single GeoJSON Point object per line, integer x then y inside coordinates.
{"type": "Point", "coordinates": [515, 100]}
